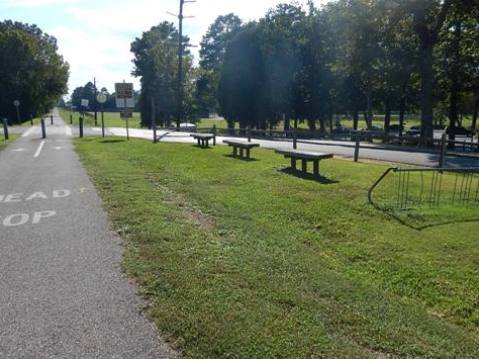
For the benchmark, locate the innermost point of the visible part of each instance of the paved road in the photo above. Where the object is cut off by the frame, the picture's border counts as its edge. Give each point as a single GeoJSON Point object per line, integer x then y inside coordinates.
{"type": "Point", "coordinates": [62, 292]}
{"type": "Point", "coordinates": [343, 149]}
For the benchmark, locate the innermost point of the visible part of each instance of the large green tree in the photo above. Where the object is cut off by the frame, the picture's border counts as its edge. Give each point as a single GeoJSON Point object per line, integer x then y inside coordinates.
{"type": "Point", "coordinates": [156, 63]}
{"type": "Point", "coordinates": [212, 53]}
{"type": "Point", "coordinates": [242, 80]}
{"type": "Point", "coordinates": [31, 71]}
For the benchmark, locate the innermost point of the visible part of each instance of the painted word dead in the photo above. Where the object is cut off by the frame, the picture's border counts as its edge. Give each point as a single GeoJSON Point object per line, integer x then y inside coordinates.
{"type": "Point", "coordinates": [22, 197]}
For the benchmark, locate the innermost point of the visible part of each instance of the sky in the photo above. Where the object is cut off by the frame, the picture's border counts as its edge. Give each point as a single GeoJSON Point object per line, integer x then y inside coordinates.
{"type": "Point", "coordinates": [94, 36]}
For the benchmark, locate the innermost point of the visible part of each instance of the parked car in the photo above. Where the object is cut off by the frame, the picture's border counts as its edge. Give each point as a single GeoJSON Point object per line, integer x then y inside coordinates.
{"type": "Point", "coordinates": [187, 127]}
{"type": "Point", "coordinates": [414, 131]}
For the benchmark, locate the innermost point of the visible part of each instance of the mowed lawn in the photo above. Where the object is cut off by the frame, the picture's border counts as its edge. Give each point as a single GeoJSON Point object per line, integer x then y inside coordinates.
{"type": "Point", "coordinates": [242, 260]}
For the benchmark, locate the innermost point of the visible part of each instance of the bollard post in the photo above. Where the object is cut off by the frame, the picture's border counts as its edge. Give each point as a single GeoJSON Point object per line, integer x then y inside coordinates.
{"type": "Point", "coordinates": [102, 123]}
{"type": "Point", "coordinates": [356, 149]}
{"type": "Point", "coordinates": [51, 119]}
{"type": "Point", "coordinates": [81, 126]}
{"type": "Point", "coordinates": [44, 132]}
{"type": "Point", "coordinates": [71, 119]}
{"type": "Point", "coordinates": [31, 119]}
{"type": "Point", "coordinates": [5, 128]}
{"type": "Point", "coordinates": [249, 134]}
{"type": "Point", "coordinates": [214, 135]}
{"type": "Point", "coordinates": [155, 135]}
{"type": "Point", "coordinates": [443, 149]}
{"type": "Point", "coordinates": [295, 140]}
{"type": "Point", "coordinates": [153, 120]}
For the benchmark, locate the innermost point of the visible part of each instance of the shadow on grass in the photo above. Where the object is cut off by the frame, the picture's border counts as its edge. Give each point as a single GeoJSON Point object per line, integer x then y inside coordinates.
{"type": "Point", "coordinates": [242, 158]}
{"type": "Point", "coordinates": [203, 147]}
{"type": "Point", "coordinates": [308, 176]}
{"type": "Point", "coordinates": [414, 223]}
{"type": "Point", "coordinates": [118, 140]}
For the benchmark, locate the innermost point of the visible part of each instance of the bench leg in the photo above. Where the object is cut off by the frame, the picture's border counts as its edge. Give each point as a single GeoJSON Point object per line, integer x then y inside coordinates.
{"type": "Point", "coordinates": [293, 163]}
{"type": "Point", "coordinates": [304, 166]}
{"type": "Point", "coordinates": [248, 154]}
{"type": "Point", "coordinates": [235, 151]}
{"type": "Point", "coordinates": [207, 143]}
{"type": "Point", "coordinates": [316, 168]}
{"type": "Point", "coordinates": [199, 144]}
{"type": "Point", "coordinates": [241, 152]}
{"type": "Point", "coordinates": [214, 141]}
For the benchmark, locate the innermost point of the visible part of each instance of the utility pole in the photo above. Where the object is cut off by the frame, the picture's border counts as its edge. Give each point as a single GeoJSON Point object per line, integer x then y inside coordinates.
{"type": "Point", "coordinates": [95, 104]}
{"type": "Point", "coordinates": [181, 50]}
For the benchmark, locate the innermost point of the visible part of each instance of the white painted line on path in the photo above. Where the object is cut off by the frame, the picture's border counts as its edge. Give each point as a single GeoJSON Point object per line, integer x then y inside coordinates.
{"type": "Point", "coordinates": [68, 131]}
{"type": "Point", "coordinates": [39, 149]}
{"type": "Point", "coordinates": [19, 150]}
{"type": "Point", "coordinates": [28, 132]}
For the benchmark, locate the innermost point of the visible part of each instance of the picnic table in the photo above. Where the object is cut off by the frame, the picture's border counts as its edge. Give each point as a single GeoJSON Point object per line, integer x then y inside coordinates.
{"type": "Point", "coordinates": [204, 138]}
{"type": "Point", "coordinates": [305, 157]}
{"type": "Point", "coordinates": [242, 146]}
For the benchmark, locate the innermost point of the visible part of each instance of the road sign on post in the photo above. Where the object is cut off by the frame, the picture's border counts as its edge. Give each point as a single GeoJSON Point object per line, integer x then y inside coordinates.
{"type": "Point", "coordinates": [124, 96]}
{"type": "Point", "coordinates": [124, 90]}
{"type": "Point", "coordinates": [101, 99]}
{"type": "Point", "coordinates": [126, 113]}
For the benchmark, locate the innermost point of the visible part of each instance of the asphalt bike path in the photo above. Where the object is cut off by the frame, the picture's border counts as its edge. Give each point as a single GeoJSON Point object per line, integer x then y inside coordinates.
{"type": "Point", "coordinates": [62, 292]}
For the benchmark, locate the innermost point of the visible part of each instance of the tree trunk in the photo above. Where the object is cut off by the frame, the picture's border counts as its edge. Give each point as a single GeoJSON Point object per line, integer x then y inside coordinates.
{"type": "Point", "coordinates": [455, 85]}
{"type": "Point", "coordinates": [369, 117]}
{"type": "Point", "coordinates": [476, 113]}
{"type": "Point", "coordinates": [402, 110]}
{"type": "Point", "coordinates": [427, 40]}
{"type": "Point", "coordinates": [286, 123]}
{"type": "Point", "coordinates": [312, 125]}
{"type": "Point", "coordinates": [427, 79]}
{"type": "Point", "coordinates": [387, 120]}
{"type": "Point", "coordinates": [355, 119]}
{"type": "Point", "coordinates": [322, 125]}
{"type": "Point", "coordinates": [330, 120]}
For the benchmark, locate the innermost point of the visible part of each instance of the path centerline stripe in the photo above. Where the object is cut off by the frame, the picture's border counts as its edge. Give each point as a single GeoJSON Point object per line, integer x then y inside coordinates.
{"type": "Point", "coordinates": [28, 132]}
{"type": "Point", "coordinates": [39, 149]}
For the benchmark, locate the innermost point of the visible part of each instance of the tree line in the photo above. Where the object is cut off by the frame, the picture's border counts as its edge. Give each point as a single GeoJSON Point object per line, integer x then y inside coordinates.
{"type": "Point", "coordinates": [31, 72]}
{"type": "Point", "coordinates": [302, 63]}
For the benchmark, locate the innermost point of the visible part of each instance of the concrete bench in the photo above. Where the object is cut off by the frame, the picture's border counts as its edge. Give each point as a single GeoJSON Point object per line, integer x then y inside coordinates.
{"type": "Point", "coordinates": [204, 139]}
{"type": "Point", "coordinates": [242, 147]}
{"type": "Point", "coordinates": [305, 157]}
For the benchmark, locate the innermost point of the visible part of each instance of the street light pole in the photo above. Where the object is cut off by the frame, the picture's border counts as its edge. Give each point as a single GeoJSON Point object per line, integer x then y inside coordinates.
{"type": "Point", "coordinates": [181, 50]}
{"type": "Point", "coordinates": [180, 64]}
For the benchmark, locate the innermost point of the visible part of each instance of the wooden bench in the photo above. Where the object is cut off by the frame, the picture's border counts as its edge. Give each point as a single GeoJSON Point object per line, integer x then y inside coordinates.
{"type": "Point", "coordinates": [305, 157]}
{"type": "Point", "coordinates": [204, 139]}
{"type": "Point", "coordinates": [242, 147]}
